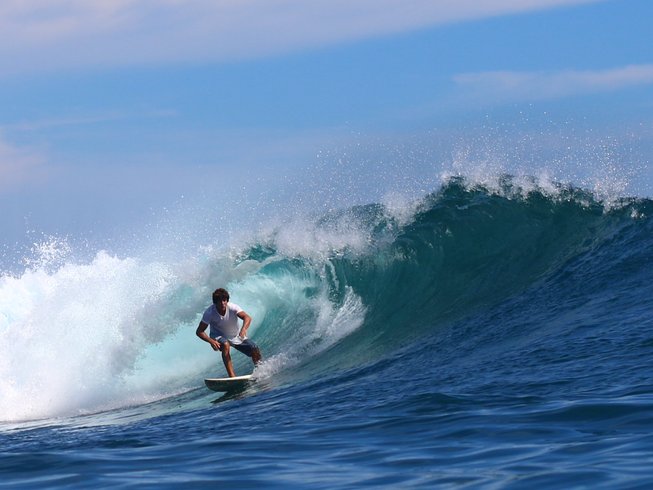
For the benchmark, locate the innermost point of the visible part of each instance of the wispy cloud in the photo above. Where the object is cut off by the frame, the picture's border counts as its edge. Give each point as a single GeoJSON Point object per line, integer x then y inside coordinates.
{"type": "Point", "coordinates": [501, 86]}
{"type": "Point", "coordinates": [85, 120]}
{"type": "Point", "coordinates": [49, 34]}
{"type": "Point", "coordinates": [18, 166]}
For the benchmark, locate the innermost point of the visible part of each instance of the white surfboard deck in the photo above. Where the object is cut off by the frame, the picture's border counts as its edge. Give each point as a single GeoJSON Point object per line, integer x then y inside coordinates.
{"type": "Point", "coordinates": [228, 384]}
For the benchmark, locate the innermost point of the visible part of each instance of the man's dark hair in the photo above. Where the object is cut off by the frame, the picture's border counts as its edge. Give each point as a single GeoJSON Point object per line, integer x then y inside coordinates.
{"type": "Point", "coordinates": [220, 294]}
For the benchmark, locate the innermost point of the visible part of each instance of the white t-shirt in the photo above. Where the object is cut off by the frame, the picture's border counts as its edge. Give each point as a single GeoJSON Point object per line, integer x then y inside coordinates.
{"type": "Point", "coordinates": [222, 326]}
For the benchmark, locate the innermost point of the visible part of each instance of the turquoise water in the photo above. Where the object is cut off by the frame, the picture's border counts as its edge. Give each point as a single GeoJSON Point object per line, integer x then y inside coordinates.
{"type": "Point", "coordinates": [478, 338]}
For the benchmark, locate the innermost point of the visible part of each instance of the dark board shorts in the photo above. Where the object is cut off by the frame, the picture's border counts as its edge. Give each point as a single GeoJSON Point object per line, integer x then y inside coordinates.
{"type": "Point", "coordinates": [247, 347]}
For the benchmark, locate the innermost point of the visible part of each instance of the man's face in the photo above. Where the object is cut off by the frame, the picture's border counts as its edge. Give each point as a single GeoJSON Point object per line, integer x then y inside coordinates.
{"type": "Point", "coordinates": [222, 306]}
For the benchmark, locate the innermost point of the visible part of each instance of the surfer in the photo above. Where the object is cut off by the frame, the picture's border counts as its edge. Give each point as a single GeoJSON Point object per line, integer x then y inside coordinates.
{"type": "Point", "coordinates": [223, 317]}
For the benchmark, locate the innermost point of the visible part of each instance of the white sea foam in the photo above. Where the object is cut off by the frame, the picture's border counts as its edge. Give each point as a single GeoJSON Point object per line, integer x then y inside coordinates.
{"type": "Point", "coordinates": [72, 338]}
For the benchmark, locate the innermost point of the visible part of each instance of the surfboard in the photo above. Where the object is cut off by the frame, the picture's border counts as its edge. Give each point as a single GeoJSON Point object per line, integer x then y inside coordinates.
{"type": "Point", "coordinates": [228, 384]}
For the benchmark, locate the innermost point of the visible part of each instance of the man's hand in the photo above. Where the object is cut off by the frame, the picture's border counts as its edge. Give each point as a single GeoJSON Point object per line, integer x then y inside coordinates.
{"type": "Point", "coordinates": [215, 344]}
{"type": "Point", "coordinates": [246, 322]}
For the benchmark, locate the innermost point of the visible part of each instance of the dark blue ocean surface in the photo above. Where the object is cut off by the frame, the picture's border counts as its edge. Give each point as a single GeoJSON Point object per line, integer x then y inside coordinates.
{"type": "Point", "coordinates": [489, 339]}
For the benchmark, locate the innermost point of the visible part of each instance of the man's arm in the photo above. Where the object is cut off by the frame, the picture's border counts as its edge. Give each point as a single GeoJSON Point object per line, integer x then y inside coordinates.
{"type": "Point", "coordinates": [246, 321]}
{"type": "Point", "coordinates": [201, 333]}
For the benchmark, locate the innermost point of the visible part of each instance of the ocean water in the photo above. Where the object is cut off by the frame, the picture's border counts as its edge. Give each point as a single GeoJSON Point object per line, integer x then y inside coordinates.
{"type": "Point", "coordinates": [475, 337]}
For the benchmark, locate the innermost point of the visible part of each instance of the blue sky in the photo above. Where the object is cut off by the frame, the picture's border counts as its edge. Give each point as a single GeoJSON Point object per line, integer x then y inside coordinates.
{"type": "Point", "coordinates": [113, 110]}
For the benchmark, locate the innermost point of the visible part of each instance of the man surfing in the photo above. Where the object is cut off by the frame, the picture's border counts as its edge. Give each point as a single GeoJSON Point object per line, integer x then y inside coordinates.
{"type": "Point", "coordinates": [223, 317]}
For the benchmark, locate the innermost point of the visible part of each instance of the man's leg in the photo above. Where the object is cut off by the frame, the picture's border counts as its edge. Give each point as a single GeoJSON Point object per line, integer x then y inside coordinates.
{"type": "Point", "coordinates": [226, 358]}
{"type": "Point", "coordinates": [250, 349]}
{"type": "Point", "coordinates": [256, 356]}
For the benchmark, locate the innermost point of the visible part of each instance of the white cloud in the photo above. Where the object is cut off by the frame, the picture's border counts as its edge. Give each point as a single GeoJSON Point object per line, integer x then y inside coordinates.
{"type": "Point", "coordinates": [504, 86]}
{"type": "Point", "coordinates": [54, 34]}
